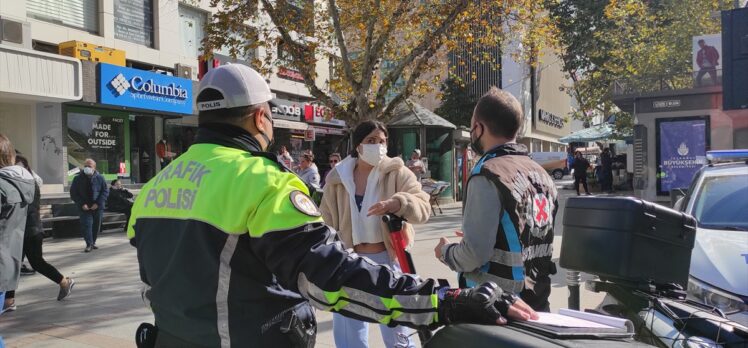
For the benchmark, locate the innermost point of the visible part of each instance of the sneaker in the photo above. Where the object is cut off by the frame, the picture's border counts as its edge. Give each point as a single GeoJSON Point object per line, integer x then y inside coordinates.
{"type": "Point", "coordinates": [64, 292]}
{"type": "Point", "coordinates": [87, 249]}
{"type": "Point", "coordinates": [9, 307]}
{"type": "Point", "coordinates": [25, 270]}
{"type": "Point", "coordinates": [94, 247]}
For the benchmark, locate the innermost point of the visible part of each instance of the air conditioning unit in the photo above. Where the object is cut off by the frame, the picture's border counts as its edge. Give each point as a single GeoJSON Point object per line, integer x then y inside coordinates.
{"type": "Point", "coordinates": [15, 33]}
{"type": "Point", "coordinates": [184, 71]}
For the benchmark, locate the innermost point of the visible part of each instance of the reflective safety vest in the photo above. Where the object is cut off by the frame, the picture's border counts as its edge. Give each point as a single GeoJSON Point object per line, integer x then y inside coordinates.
{"type": "Point", "coordinates": [524, 243]}
{"type": "Point", "coordinates": [231, 245]}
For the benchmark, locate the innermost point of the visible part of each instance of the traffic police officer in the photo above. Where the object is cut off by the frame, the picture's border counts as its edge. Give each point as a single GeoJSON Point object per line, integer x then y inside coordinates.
{"type": "Point", "coordinates": [510, 205]}
{"type": "Point", "coordinates": [235, 251]}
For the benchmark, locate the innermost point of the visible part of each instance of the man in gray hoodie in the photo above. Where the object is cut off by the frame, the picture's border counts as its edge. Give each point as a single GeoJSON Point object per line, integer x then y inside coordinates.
{"type": "Point", "coordinates": [16, 193]}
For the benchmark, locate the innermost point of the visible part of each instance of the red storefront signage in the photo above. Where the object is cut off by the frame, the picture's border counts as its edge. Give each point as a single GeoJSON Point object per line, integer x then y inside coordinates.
{"type": "Point", "coordinates": [290, 74]}
{"type": "Point", "coordinates": [321, 114]}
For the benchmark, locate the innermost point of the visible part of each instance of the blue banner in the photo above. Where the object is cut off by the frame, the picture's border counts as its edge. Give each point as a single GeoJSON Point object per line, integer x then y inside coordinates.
{"type": "Point", "coordinates": [144, 90]}
{"type": "Point", "coordinates": [682, 152]}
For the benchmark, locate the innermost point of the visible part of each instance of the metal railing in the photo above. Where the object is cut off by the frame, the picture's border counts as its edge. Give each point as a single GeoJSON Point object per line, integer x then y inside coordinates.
{"type": "Point", "coordinates": [688, 80]}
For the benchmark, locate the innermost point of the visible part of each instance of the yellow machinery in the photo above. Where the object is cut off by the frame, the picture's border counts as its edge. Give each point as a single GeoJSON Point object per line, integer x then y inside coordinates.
{"type": "Point", "coordinates": [91, 52]}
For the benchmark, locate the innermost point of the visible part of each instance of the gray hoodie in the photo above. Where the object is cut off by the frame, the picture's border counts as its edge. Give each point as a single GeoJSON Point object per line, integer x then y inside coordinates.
{"type": "Point", "coordinates": [16, 193]}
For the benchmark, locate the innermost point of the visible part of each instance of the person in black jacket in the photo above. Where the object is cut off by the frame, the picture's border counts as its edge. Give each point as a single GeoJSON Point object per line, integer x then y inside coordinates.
{"type": "Point", "coordinates": [33, 237]}
{"type": "Point", "coordinates": [580, 172]}
{"type": "Point", "coordinates": [120, 200]}
{"type": "Point", "coordinates": [89, 192]}
{"type": "Point", "coordinates": [606, 171]}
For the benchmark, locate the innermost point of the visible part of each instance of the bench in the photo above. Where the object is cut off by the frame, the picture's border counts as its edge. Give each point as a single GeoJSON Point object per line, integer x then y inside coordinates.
{"type": "Point", "coordinates": [66, 223]}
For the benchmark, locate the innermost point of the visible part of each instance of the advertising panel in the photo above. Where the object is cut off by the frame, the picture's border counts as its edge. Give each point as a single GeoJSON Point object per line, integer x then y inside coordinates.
{"type": "Point", "coordinates": [707, 58]}
{"type": "Point", "coordinates": [144, 90]}
{"type": "Point", "coordinates": [101, 138]}
{"type": "Point", "coordinates": [681, 151]}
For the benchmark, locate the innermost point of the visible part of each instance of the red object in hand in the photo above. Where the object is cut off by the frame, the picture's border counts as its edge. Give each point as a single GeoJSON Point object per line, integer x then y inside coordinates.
{"type": "Point", "coordinates": [396, 226]}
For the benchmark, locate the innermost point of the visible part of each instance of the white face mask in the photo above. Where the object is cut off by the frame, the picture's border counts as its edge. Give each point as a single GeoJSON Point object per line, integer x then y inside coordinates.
{"type": "Point", "coordinates": [373, 153]}
{"type": "Point", "coordinates": [88, 171]}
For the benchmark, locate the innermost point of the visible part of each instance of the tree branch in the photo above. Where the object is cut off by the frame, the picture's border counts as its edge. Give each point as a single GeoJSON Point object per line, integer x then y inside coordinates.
{"type": "Point", "coordinates": [299, 52]}
{"type": "Point", "coordinates": [414, 75]}
{"type": "Point", "coordinates": [421, 48]}
{"type": "Point", "coordinates": [341, 43]}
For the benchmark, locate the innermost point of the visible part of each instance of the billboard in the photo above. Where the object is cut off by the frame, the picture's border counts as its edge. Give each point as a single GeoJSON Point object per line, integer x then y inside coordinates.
{"type": "Point", "coordinates": [144, 90]}
{"type": "Point", "coordinates": [681, 151]}
{"type": "Point", "coordinates": [707, 60]}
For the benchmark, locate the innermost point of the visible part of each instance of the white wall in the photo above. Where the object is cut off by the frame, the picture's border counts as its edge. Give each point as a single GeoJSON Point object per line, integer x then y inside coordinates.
{"type": "Point", "coordinates": [18, 123]}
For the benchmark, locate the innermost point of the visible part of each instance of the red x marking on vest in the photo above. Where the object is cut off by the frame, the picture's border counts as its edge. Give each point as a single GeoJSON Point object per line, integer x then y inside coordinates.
{"type": "Point", "coordinates": [542, 215]}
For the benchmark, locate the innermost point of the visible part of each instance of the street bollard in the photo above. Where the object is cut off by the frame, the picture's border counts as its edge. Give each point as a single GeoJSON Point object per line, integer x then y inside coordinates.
{"type": "Point", "coordinates": [573, 279]}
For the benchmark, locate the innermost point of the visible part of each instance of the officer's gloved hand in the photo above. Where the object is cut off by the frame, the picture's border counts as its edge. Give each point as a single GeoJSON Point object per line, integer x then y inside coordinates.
{"type": "Point", "coordinates": [477, 305]}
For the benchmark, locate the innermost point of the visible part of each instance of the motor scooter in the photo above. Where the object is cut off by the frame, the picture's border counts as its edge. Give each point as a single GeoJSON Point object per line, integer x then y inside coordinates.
{"type": "Point", "coordinates": [640, 253]}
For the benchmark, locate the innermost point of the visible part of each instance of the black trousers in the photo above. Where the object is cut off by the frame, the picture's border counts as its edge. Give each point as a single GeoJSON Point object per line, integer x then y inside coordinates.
{"type": "Point", "coordinates": [583, 180]}
{"type": "Point", "coordinates": [32, 249]}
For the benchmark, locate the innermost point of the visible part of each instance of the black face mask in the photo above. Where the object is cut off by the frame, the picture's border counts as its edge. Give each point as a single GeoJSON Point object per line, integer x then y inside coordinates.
{"type": "Point", "coordinates": [269, 141]}
{"type": "Point", "coordinates": [475, 142]}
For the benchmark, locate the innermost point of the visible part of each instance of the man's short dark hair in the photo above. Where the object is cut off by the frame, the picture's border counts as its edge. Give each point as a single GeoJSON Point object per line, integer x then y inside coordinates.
{"type": "Point", "coordinates": [500, 111]}
{"type": "Point", "coordinates": [228, 115]}
{"type": "Point", "coordinates": [702, 41]}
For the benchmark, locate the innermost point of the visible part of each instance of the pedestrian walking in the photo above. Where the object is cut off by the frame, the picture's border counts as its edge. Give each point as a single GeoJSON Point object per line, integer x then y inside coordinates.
{"type": "Point", "coordinates": [510, 207]}
{"type": "Point", "coordinates": [33, 239]}
{"type": "Point", "coordinates": [244, 252]}
{"type": "Point", "coordinates": [308, 172]}
{"type": "Point", "coordinates": [360, 189]}
{"type": "Point", "coordinates": [580, 167]}
{"type": "Point", "coordinates": [16, 194]}
{"type": "Point", "coordinates": [120, 200]}
{"type": "Point", "coordinates": [606, 171]}
{"type": "Point", "coordinates": [89, 192]}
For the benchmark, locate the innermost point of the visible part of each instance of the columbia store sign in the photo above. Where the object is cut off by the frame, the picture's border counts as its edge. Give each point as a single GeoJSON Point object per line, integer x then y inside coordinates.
{"type": "Point", "coordinates": [144, 90]}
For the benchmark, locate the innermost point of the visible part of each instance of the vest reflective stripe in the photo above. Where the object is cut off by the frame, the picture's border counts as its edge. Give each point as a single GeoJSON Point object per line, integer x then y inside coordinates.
{"type": "Point", "coordinates": [507, 258]}
{"type": "Point", "coordinates": [479, 165]}
{"type": "Point", "coordinates": [512, 239]}
{"type": "Point", "coordinates": [513, 286]}
{"type": "Point", "coordinates": [222, 293]}
{"type": "Point", "coordinates": [382, 309]}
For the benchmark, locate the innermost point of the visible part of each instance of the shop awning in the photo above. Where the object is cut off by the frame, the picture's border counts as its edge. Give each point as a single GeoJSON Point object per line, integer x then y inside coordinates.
{"type": "Point", "coordinates": [38, 76]}
{"type": "Point", "coordinates": [279, 123]}
{"type": "Point", "coordinates": [410, 114]}
{"type": "Point", "coordinates": [594, 133]}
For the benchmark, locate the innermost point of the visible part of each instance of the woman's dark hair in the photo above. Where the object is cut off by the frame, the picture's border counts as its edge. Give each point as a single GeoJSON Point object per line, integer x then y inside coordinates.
{"type": "Point", "coordinates": [114, 181]}
{"type": "Point", "coordinates": [364, 129]}
{"type": "Point", "coordinates": [23, 161]}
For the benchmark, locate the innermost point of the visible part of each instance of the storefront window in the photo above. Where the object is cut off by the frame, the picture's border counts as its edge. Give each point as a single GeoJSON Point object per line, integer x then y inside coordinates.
{"type": "Point", "coordinates": [101, 136]}
{"type": "Point", "coordinates": [179, 136]}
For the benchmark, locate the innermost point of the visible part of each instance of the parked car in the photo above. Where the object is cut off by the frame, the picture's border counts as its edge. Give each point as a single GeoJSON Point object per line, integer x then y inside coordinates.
{"type": "Point", "coordinates": [555, 163]}
{"type": "Point", "coordinates": [718, 199]}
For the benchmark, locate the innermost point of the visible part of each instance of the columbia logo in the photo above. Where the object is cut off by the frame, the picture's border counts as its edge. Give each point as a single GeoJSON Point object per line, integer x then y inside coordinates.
{"type": "Point", "coordinates": [120, 84]}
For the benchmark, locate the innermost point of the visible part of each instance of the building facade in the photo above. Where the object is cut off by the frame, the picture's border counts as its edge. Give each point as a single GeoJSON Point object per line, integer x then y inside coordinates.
{"type": "Point", "coordinates": [109, 80]}
{"type": "Point", "coordinates": [547, 108]}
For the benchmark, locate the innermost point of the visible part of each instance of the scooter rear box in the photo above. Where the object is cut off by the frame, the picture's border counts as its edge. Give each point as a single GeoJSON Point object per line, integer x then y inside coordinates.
{"type": "Point", "coordinates": [624, 238]}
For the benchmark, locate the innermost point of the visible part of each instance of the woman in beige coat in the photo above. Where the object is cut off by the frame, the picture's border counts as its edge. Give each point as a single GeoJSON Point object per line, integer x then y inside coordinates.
{"type": "Point", "coordinates": [358, 191]}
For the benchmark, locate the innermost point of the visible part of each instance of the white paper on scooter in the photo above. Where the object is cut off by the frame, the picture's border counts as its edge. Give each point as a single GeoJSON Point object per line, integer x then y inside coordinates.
{"type": "Point", "coordinates": [576, 319]}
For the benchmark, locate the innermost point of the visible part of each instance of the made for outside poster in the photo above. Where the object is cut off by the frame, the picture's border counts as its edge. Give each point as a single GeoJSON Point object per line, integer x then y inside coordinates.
{"type": "Point", "coordinates": [682, 151]}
